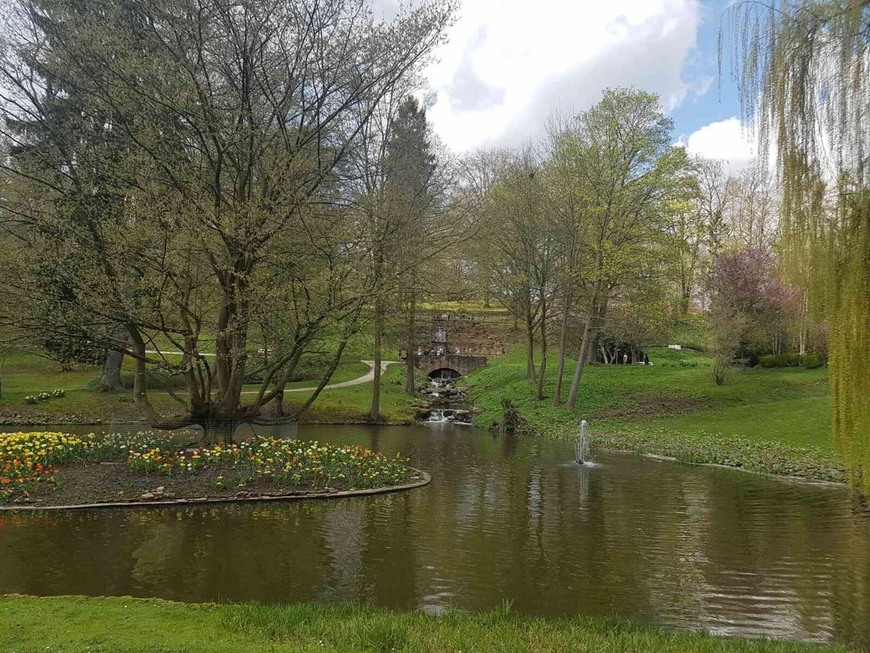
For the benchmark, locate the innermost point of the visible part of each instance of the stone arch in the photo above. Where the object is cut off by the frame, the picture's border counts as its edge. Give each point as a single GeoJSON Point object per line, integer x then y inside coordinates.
{"type": "Point", "coordinates": [444, 373]}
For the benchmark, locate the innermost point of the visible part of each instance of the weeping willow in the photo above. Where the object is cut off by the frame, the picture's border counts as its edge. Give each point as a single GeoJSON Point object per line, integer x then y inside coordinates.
{"type": "Point", "coordinates": [802, 68]}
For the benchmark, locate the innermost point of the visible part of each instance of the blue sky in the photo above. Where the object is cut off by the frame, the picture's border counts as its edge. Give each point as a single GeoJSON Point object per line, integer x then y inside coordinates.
{"type": "Point", "coordinates": [721, 100]}
{"type": "Point", "coordinates": [510, 64]}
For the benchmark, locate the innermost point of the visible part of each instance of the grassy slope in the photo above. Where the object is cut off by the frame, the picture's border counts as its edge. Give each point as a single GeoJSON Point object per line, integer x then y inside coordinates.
{"type": "Point", "coordinates": [126, 625]}
{"type": "Point", "coordinates": [673, 408]}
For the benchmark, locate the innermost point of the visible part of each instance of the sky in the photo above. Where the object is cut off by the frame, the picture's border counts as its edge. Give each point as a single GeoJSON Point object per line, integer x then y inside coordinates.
{"type": "Point", "coordinates": [509, 64]}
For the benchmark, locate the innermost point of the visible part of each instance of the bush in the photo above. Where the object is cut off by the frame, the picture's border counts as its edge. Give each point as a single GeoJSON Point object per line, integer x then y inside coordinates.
{"type": "Point", "coordinates": [813, 361]}
{"type": "Point", "coordinates": [808, 361]}
{"type": "Point", "coordinates": [69, 351]}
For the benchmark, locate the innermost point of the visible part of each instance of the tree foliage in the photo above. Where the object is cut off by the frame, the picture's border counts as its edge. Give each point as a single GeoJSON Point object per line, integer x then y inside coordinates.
{"type": "Point", "coordinates": [803, 70]}
{"type": "Point", "coordinates": [198, 173]}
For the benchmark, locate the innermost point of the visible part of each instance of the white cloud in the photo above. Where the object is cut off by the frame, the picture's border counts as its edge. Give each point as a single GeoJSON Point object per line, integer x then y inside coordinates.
{"type": "Point", "coordinates": [511, 63]}
{"type": "Point", "coordinates": [724, 140]}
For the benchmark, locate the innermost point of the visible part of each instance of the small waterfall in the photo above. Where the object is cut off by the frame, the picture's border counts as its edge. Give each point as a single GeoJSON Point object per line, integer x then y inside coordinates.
{"type": "Point", "coordinates": [448, 416]}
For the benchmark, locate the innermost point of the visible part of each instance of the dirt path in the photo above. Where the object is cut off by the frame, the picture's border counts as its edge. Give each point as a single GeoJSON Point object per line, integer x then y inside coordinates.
{"type": "Point", "coordinates": [368, 377]}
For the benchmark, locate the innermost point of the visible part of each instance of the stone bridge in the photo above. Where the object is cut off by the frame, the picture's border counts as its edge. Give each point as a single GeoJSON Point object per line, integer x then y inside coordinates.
{"type": "Point", "coordinates": [453, 364]}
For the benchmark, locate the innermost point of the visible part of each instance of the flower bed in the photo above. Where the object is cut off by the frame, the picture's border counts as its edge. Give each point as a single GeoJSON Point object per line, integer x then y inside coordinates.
{"type": "Point", "coordinates": [58, 468]}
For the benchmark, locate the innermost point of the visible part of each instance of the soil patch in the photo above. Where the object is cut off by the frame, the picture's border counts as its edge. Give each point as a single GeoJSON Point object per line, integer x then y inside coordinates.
{"type": "Point", "coordinates": [655, 405]}
{"type": "Point", "coordinates": [114, 483]}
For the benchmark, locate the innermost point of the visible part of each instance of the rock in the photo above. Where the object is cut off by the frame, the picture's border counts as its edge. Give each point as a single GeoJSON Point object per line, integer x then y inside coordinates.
{"type": "Point", "coordinates": [159, 490]}
{"type": "Point", "coordinates": [147, 495]}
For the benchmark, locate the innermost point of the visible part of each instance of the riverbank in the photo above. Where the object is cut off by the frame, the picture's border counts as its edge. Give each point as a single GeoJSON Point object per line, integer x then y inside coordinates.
{"type": "Point", "coordinates": [764, 420]}
{"type": "Point", "coordinates": [128, 625]}
{"type": "Point", "coordinates": [56, 470]}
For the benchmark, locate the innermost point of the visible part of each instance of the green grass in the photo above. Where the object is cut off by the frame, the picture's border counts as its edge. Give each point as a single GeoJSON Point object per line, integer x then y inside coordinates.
{"type": "Point", "coordinates": [352, 404]}
{"type": "Point", "coordinates": [800, 421]}
{"type": "Point", "coordinates": [775, 420]}
{"type": "Point", "coordinates": [127, 625]}
{"type": "Point", "coordinates": [460, 306]}
{"type": "Point", "coordinates": [26, 374]}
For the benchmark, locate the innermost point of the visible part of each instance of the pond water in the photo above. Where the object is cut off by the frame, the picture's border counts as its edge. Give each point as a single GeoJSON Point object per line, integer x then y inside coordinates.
{"type": "Point", "coordinates": [505, 519]}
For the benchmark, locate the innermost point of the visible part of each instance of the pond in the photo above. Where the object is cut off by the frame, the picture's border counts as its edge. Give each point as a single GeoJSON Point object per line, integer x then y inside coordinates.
{"type": "Point", "coordinates": [505, 519]}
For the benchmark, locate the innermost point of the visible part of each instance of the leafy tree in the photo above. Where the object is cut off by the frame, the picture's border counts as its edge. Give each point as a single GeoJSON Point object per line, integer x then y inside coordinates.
{"type": "Point", "coordinates": [802, 67]}
{"type": "Point", "coordinates": [697, 226]}
{"type": "Point", "coordinates": [233, 125]}
{"type": "Point", "coordinates": [411, 167]}
{"type": "Point", "coordinates": [521, 253]}
{"type": "Point", "coordinates": [750, 304]}
{"type": "Point", "coordinates": [620, 152]}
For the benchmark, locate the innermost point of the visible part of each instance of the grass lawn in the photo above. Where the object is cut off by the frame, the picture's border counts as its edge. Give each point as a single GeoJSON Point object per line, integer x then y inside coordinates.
{"type": "Point", "coordinates": [353, 403]}
{"type": "Point", "coordinates": [799, 421]}
{"type": "Point", "coordinates": [28, 374]}
{"type": "Point", "coordinates": [127, 625]}
{"type": "Point", "coordinates": [776, 420]}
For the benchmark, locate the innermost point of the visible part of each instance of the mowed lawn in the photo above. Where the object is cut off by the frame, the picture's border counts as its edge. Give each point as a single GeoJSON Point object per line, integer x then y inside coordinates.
{"type": "Point", "coordinates": [802, 421]}
{"type": "Point", "coordinates": [788, 406]}
{"type": "Point", "coordinates": [128, 625]}
{"type": "Point", "coordinates": [25, 374]}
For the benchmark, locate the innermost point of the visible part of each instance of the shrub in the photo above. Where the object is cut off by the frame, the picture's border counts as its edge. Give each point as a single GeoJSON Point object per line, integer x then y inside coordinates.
{"type": "Point", "coordinates": [68, 351]}
{"type": "Point", "coordinates": [809, 361]}
{"type": "Point", "coordinates": [30, 399]}
{"type": "Point", "coordinates": [813, 361]}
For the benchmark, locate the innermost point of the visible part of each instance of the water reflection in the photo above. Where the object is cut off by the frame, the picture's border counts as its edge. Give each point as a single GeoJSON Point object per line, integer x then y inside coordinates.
{"type": "Point", "coordinates": [504, 519]}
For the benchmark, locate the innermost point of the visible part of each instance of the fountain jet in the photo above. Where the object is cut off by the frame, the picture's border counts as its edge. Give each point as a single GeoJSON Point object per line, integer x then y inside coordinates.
{"type": "Point", "coordinates": [581, 447]}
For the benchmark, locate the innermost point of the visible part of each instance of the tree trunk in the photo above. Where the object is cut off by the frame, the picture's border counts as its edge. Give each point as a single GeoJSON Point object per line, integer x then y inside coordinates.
{"type": "Point", "coordinates": [140, 389]}
{"type": "Point", "coordinates": [530, 341]}
{"type": "Point", "coordinates": [581, 362]}
{"type": "Point", "coordinates": [543, 369]}
{"type": "Point", "coordinates": [685, 298]}
{"type": "Point", "coordinates": [563, 342]}
{"type": "Point", "coordinates": [325, 379]}
{"type": "Point", "coordinates": [802, 328]}
{"type": "Point", "coordinates": [375, 413]}
{"type": "Point", "coordinates": [110, 380]}
{"type": "Point", "coordinates": [231, 342]}
{"type": "Point", "coordinates": [411, 343]}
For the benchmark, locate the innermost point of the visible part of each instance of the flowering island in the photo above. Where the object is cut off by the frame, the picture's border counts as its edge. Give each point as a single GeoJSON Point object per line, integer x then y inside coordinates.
{"type": "Point", "coordinates": [60, 469]}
